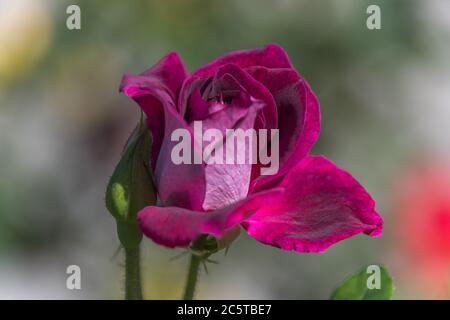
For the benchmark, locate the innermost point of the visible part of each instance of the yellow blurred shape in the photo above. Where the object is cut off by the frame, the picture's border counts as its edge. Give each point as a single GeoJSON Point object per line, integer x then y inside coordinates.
{"type": "Point", "coordinates": [25, 32]}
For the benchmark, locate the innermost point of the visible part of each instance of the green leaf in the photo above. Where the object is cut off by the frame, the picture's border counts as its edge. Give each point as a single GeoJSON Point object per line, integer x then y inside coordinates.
{"type": "Point", "coordinates": [371, 283]}
{"type": "Point", "coordinates": [130, 187]}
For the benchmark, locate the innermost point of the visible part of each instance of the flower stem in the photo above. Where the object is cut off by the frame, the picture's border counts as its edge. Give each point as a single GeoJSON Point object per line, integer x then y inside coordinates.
{"type": "Point", "coordinates": [133, 290]}
{"type": "Point", "coordinates": [192, 276]}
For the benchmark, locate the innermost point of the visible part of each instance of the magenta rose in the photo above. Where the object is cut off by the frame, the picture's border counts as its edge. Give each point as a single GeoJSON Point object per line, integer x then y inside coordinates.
{"type": "Point", "coordinates": [307, 206]}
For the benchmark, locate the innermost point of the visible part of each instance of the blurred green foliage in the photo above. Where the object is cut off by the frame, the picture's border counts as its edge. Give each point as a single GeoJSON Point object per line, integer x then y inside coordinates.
{"type": "Point", "coordinates": [357, 286]}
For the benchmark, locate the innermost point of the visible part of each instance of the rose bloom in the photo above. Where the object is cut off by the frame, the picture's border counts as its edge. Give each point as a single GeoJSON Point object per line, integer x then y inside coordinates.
{"type": "Point", "coordinates": [307, 206]}
{"type": "Point", "coordinates": [422, 227]}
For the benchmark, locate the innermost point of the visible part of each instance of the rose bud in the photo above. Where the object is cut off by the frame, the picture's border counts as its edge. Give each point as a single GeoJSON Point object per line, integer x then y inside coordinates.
{"type": "Point", "coordinates": [131, 188]}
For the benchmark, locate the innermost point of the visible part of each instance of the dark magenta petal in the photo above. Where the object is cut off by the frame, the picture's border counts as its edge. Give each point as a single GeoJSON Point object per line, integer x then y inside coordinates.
{"type": "Point", "coordinates": [298, 115]}
{"type": "Point", "coordinates": [271, 56]}
{"type": "Point", "coordinates": [254, 88]}
{"type": "Point", "coordinates": [181, 185]}
{"type": "Point", "coordinates": [178, 185]}
{"type": "Point", "coordinates": [321, 205]}
{"type": "Point", "coordinates": [228, 81]}
{"type": "Point", "coordinates": [174, 226]}
{"type": "Point", "coordinates": [191, 104]}
{"type": "Point", "coordinates": [151, 97]}
{"type": "Point", "coordinates": [154, 88]}
{"type": "Point", "coordinates": [169, 71]}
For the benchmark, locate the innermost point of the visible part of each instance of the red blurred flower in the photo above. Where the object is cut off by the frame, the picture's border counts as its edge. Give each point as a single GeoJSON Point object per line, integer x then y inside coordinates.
{"type": "Point", "coordinates": [422, 213]}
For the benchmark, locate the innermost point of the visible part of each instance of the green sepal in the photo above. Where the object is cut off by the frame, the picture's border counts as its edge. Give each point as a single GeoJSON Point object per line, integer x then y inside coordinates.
{"type": "Point", "coordinates": [131, 187]}
{"type": "Point", "coordinates": [206, 245]}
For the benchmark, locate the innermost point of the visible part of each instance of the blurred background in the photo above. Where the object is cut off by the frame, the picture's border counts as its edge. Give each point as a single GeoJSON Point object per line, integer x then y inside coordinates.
{"type": "Point", "coordinates": [385, 104]}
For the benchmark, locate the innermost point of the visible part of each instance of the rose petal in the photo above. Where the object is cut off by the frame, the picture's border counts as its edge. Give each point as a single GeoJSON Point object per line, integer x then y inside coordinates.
{"type": "Point", "coordinates": [298, 116]}
{"type": "Point", "coordinates": [191, 105]}
{"type": "Point", "coordinates": [321, 205]}
{"type": "Point", "coordinates": [170, 71]}
{"type": "Point", "coordinates": [271, 56]}
{"type": "Point", "coordinates": [174, 226]}
{"type": "Point", "coordinates": [155, 91]}
{"type": "Point", "coordinates": [154, 88]}
{"type": "Point", "coordinates": [268, 117]}
{"type": "Point", "coordinates": [181, 185]}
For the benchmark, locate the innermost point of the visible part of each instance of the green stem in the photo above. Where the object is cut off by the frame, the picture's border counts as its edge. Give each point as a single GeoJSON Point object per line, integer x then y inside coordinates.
{"type": "Point", "coordinates": [133, 290]}
{"type": "Point", "coordinates": [191, 280]}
